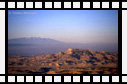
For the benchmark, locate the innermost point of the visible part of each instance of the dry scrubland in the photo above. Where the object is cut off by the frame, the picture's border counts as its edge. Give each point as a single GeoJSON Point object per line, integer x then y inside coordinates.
{"type": "Point", "coordinates": [72, 61]}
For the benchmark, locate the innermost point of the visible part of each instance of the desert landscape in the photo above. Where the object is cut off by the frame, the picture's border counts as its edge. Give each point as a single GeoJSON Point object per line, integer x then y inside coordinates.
{"type": "Point", "coordinates": [72, 61]}
{"type": "Point", "coordinates": [63, 42]}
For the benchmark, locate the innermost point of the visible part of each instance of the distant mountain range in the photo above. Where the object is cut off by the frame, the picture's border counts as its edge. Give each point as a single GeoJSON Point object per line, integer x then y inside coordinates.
{"type": "Point", "coordinates": [38, 46]}
{"type": "Point", "coordinates": [33, 40]}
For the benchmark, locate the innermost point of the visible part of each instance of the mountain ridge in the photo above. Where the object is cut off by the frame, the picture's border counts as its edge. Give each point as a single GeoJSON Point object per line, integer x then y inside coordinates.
{"type": "Point", "coordinates": [72, 61]}
{"type": "Point", "coordinates": [32, 40]}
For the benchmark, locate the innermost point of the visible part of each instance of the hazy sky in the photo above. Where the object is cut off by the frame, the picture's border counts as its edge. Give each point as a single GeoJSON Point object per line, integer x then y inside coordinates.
{"type": "Point", "coordinates": [82, 26]}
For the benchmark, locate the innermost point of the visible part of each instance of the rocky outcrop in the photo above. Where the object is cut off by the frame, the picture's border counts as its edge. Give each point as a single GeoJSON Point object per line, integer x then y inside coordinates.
{"type": "Point", "coordinates": [72, 61]}
{"type": "Point", "coordinates": [69, 51]}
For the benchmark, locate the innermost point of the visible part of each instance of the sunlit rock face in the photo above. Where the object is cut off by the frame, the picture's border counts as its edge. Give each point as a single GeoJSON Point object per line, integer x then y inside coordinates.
{"type": "Point", "coordinates": [69, 51]}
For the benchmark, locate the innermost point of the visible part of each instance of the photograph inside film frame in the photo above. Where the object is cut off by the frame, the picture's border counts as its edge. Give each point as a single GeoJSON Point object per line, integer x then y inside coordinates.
{"type": "Point", "coordinates": [62, 41]}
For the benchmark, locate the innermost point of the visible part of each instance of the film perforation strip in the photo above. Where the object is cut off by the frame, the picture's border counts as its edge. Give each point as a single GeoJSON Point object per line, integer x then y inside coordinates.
{"type": "Point", "coordinates": [59, 4]}
{"type": "Point", "coordinates": [64, 5]}
{"type": "Point", "coordinates": [65, 79]}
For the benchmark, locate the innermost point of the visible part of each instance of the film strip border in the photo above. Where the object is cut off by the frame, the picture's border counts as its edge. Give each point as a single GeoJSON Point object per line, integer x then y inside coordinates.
{"type": "Point", "coordinates": [45, 5]}
{"type": "Point", "coordinates": [65, 79]}
{"type": "Point", "coordinates": [63, 5]}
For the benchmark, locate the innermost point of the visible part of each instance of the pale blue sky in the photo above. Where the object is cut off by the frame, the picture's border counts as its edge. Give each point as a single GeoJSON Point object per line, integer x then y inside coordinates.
{"type": "Point", "coordinates": [82, 26]}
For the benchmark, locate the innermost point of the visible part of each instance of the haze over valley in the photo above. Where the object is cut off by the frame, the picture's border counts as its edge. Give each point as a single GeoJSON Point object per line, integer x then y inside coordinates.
{"type": "Point", "coordinates": [37, 46]}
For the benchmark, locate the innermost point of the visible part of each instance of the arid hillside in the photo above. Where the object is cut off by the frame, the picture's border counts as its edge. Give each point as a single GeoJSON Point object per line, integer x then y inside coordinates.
{"type": "Point", "coordinates": [72, 61]}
